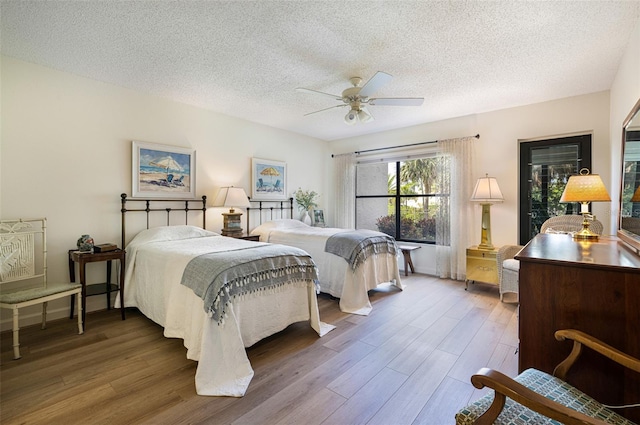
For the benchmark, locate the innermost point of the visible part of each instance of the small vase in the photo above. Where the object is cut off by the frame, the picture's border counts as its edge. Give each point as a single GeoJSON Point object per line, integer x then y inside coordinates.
{"type": "Point", "coordinates": [305, 218]}
{"type": "Point", "coordinates": [85, 243]}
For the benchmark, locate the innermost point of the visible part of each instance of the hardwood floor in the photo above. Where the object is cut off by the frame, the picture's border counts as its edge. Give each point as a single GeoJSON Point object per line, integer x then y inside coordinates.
{"type": "Point", "coordinates": [408, 362]}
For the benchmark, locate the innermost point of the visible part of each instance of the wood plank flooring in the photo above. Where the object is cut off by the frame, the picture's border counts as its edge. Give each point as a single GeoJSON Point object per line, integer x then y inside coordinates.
{"type": "Point", "coordinates": [408, 362]}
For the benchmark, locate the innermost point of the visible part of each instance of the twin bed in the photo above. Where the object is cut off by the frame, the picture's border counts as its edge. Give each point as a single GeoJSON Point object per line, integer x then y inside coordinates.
{"type": "Point", "coordinates": [221, 294]}
{"type": "Point", "coordinates": [265, 290]}
{"type": "Point", "coordinates": [346, 278]}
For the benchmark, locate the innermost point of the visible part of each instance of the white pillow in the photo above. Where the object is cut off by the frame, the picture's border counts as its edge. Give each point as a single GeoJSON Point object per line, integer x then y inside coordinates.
{"type": "Point", "coordinates": [170, 233]}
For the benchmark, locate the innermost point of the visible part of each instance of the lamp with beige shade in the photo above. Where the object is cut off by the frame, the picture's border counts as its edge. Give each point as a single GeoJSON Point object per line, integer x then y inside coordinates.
{"type": "Point", "coordinates": [232, 197]}
{"type": "Point", "coordinates": [585, 188]}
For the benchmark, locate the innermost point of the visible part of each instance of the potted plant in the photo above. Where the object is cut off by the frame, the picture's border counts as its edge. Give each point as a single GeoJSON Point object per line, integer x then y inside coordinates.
{"type": "Point", "coordinates": [306, 199]}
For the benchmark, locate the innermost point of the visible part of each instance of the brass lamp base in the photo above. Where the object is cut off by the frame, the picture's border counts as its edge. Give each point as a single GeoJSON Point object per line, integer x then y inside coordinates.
{"type": "Point", "coordinates": [485, 231]}
{"type": "Point", "coordinates": [585, 234]}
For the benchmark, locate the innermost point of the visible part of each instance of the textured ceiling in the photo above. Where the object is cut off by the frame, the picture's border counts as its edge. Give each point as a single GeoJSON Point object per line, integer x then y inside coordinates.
{"type": "Point", "coordinates": [245, 58]}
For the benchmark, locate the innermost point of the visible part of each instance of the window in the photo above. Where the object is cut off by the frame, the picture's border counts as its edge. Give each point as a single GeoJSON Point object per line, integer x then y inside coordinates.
{"type": "Point", "coordinates": [545, 167]}
{"type": "Point", "coordinates": [399, 198]}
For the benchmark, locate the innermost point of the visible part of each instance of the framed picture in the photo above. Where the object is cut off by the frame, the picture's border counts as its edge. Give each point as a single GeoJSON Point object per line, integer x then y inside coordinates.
{"type": "Point", "coordinates": [318, 218]}
{"type": "Point", "coordinates": [161, 171]}
{"type": "Point", "coordinates": [268, 180]}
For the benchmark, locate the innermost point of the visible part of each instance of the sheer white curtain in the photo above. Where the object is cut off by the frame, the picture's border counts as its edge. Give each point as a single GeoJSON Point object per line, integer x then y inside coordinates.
{"type": "Point", "coordinates": [344, 183]}
{"type": "Point", "coordinates": [453, 223]}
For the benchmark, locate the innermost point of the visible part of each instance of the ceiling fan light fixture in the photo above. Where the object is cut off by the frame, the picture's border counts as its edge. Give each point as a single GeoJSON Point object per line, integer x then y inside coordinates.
{"type": "Point", "coordinates": [364, 116]}
{"type": "Point", "coordinates": [358, 96]}
{"type": "Point", "coordinates": [352, 117]}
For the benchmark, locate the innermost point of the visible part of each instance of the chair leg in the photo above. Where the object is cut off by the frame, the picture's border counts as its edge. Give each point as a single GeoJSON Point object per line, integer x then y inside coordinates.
{"type": "Point", "coordinates": [44, 315]}
{"type": "Point", "coordinates": [16, 337]}
{"type": "Point", "coordinates": [80, 324]}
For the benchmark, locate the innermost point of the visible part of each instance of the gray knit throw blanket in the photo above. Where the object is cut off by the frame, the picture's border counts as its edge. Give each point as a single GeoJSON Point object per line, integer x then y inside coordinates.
{"type": "Point", "coordinates": [358, 245]}
{"type": "Point", "coordinates": [220, 277]}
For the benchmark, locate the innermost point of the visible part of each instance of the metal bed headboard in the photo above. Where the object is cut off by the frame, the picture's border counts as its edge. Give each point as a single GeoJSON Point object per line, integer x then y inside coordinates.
{"type": "Point", "coordinates": [184, 203]}
{"type": "Point", "coordinates": [281, 206]}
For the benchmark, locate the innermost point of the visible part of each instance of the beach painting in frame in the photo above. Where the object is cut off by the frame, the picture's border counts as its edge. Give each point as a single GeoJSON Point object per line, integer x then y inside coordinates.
{"type": "Point", "coordinates": [269, 180]}
{"type": "Point", "coordinates": [162, 171]}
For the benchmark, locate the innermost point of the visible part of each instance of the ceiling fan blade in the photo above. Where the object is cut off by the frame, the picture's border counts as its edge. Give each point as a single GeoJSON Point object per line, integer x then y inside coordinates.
{"type": "Point", "coordinates": [375, 83]}
{"type": "Point", "coordinates": [325, 109]}
{"type": "Point", "coordinates": [333, 96]}
{"type": "Point", "coordinates": [397, 101]}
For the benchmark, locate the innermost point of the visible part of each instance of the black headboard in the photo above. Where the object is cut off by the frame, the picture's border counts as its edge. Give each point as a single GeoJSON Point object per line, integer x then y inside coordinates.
{"type": "Point", "coordinates": [167, 207]}
{"type": "Point", "coordinates": [268, 208]}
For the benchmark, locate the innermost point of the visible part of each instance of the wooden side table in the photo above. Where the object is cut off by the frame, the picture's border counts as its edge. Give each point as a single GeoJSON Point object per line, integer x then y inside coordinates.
{"type": "Point", "coordinates": [406, 253]}
{"type": "Point", "coordinates": [482, 266]}
{"type": "Point", "coordinates": [82, 258]}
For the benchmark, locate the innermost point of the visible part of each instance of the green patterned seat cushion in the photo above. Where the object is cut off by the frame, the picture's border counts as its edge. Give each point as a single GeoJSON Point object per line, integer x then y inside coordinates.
{"type": "Point", "coordinates": [35, 293]}
{"type": "Point", "coordinates": [548, 386]}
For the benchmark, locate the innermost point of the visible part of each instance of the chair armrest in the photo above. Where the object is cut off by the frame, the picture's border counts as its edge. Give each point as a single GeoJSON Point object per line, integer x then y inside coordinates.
{"type": "Point", "coordinates": [507, 387]}
{"type": "Point", "coordinates": [506, 252]}
{"type": "Point", "coordinates": [579, 339]}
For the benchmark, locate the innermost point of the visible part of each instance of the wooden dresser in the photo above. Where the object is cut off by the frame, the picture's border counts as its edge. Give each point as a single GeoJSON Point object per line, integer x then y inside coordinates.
{"type": "Point", "coordinates": [590, 286]}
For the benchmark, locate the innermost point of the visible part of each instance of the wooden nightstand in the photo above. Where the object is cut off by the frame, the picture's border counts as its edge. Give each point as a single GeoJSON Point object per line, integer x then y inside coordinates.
{"type": "Point", "coordinates": [82, 258]}
{"type": "Point", "coordinates": [481, 265]}
{"type": "Point", "coordinates": [247, 237]}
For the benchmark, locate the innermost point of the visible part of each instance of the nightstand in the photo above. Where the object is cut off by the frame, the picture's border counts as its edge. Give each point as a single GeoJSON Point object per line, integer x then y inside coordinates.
{"type": "Point", "coordinates": [406, 253]}
{"type": "Point", "coordinates": [481, 265]}
{"type": "Point", "coordinates": [82, 258]}
{"type": "Point", "coordinates": [247, 237]}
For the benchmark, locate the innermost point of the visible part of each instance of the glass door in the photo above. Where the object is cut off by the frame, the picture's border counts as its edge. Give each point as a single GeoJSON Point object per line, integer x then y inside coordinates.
{"type": "Point", "coordinates": [545, 167]}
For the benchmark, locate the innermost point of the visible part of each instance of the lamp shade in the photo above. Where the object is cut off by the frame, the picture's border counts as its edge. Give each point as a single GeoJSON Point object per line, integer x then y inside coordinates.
{"type": "Point", "coordinates": [585, 187]}
{"type": "Point", "coordinates": [364, 115]}
{"type": "Point", "coordinates": [636, 195]}
{"type": "Point", "coordinates": [487, 191]}
{"type": "Point", "coordinates": [231, 197]}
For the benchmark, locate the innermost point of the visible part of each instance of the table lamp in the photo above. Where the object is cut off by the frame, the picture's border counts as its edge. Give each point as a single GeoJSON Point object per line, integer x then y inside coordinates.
{"type": "Point", "coordinates": [486, 192]}
{"type": "Point", "coordinates": [585, 188]}
{"type": "Point", "coordinates": [232, 197]}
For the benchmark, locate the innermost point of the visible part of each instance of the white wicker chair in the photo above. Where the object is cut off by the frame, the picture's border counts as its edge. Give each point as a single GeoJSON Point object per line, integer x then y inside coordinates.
{"type": "Point", "coordinates": [508, 267]}
{"type": "Point", "coordinates": [569, 224]}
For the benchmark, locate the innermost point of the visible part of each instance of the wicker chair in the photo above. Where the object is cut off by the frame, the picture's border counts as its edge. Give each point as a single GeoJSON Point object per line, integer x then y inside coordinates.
{"type": "Point", "coordinates": [535, 397]}
{"type": "Point", "coordinates": [569, 224]}
{"type": "Point", "coordinates": [508, 267]}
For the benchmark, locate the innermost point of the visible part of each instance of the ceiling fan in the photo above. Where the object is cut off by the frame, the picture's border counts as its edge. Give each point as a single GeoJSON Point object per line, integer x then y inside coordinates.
{"type": "Point", "coordinates": [358, 98]}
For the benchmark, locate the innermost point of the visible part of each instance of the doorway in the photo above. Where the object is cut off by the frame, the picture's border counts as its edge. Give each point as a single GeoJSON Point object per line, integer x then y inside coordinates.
{"type": "Point", "coordinates": [545, 167]}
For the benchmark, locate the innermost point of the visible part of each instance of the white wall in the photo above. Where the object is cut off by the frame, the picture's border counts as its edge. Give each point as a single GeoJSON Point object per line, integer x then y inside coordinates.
{"type": "Point", "coordinates": [625, 92]}
{"type": "Point", "coordinates": [497, 153]}
{"type": "Point", "coordinates": [66, 155]}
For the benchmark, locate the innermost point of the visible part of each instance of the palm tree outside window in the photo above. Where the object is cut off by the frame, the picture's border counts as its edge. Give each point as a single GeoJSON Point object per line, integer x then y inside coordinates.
{"type": "Point", "coordinates": [400, 198]}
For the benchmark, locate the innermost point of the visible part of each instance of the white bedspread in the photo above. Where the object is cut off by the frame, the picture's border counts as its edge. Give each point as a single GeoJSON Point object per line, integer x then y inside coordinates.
{"type": "Point", "coordinates": [336, 277]}
{"type": "Point", "coordinates": [155, 263]}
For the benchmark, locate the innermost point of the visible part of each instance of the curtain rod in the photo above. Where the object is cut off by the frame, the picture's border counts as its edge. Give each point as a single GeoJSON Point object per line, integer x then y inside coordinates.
{"type": "Point", "coordinates": [477, 136]}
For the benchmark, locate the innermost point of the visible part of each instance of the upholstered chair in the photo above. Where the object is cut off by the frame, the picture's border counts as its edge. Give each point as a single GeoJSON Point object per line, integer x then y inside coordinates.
{"type": "Point", "coordinates": [535, 397]}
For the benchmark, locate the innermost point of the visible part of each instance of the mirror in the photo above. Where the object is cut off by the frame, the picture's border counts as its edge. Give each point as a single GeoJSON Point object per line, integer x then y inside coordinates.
{"type": "Point", "coordinates": [629, 218]}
